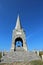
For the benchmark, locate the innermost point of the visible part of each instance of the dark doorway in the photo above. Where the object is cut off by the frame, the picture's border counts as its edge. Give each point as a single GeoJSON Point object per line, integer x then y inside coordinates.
{"type": "Point", "coordinates": [18, 43]}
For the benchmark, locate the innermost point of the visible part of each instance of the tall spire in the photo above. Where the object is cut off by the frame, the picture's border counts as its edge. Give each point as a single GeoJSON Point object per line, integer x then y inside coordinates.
{"type": "Point", "coordinates": [18, 25]}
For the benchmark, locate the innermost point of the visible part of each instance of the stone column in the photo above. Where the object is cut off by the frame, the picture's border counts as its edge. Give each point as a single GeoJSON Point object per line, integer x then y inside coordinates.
{"type": "Point", "coordinates": [42, 57]}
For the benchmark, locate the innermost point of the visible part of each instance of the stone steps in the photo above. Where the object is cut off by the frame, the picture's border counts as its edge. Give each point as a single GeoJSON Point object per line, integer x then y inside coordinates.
{"type": "Point", "coordinates": [20, 56]}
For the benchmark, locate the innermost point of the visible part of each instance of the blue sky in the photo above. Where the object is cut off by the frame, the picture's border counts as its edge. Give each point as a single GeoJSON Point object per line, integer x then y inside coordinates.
{"type": "Point", "coordinates": [31, 17]}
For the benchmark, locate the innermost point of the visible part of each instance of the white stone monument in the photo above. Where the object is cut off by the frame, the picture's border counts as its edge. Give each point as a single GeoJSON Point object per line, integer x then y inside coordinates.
{"type": "Point", "coordinates": [18, 35]}
{"type": "Point", "coordinates": [20, 53]}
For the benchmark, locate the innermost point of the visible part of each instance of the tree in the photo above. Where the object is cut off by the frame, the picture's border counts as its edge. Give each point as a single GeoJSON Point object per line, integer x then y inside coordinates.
{"type": "Point", "coordinates": [0, 56]}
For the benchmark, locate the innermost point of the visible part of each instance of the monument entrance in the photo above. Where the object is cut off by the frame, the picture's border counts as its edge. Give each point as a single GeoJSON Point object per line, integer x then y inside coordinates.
{"type": "Point", "coordinates": [18, 43]}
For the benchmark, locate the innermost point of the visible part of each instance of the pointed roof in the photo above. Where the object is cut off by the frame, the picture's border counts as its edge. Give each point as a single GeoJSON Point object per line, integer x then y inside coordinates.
{"type": "Point", "coordinates": [18, 24]}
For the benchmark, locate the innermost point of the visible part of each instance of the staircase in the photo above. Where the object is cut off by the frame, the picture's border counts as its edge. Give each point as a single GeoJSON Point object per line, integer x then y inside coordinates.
{"type": "Point", "coordinates": [19, 56]}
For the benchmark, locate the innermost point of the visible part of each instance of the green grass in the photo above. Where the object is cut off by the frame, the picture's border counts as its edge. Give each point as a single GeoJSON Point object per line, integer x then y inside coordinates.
{"type": "Point", "coordinates": [36, 62]}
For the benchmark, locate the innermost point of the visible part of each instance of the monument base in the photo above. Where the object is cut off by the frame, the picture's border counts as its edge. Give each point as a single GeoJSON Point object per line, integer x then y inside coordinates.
{"type": "Point", "coordinates": [19, 56]}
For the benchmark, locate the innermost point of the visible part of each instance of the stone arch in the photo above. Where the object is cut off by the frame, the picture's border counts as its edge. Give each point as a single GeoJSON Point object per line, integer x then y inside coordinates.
{"type": "Point", "coordinates": [18, 39]}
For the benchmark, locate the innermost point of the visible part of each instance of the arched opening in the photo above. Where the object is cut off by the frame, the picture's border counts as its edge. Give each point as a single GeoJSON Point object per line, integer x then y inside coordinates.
{"type": "Point", "coordinates": [18, 43]}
